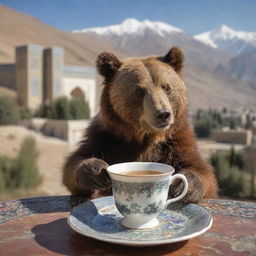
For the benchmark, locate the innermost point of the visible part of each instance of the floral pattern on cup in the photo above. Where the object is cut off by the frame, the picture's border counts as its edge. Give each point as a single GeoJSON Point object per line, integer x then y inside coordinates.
{"type": "Point", "coordinates": [134, 208]}
{"type": "Point", "coordinates": [131, 189]}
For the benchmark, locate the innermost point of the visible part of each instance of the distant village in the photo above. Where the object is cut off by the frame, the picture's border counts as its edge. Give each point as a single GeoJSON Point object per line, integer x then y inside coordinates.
{"type": "Point", "coordinates": [39, 77]}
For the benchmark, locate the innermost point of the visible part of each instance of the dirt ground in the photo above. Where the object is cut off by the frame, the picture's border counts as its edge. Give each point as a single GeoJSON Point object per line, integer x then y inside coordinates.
{"type": "Point", "coordinates": [51, 155]}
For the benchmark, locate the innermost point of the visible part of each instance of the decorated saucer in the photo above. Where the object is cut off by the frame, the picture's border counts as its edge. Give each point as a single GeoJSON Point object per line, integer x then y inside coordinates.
{"type": "Point", "coordinates": [99, 219]}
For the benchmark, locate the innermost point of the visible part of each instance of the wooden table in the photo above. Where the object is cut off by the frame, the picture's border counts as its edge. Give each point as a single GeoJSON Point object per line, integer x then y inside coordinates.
{"type": "Point", "coordinates": [38, 226]}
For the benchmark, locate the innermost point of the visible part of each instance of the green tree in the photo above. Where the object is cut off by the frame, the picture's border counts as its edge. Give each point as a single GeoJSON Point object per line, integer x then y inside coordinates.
{"type": "Point", "coordinates": [230, 178]}
{"type": "Point", "coordinates": [199, 114]}
{"type": "Point", "coordinates": [232, 157]}
{"type": "Point", "coordinates": [64, 109]}
{"type": "Point", "coordinates": [79, 109]}
{"type": "Point", "coordinates": [9, 111]}
{"type": "Point", "coordinates": [219, 119]}
{"type": "Point", "coordinates": [239, 160]}
{"type": "Point", "coordinates": [46, 111]}
{"type": "Point", "coordinates": [234, 122]}
{"type": "Point", "coordinates": [21, 172]}
{"type": "Point", "coordinates": [248, 122]}
{"type": "Point", "coordinates": [25, 114]}
{"type": "Point", "coordinates": [2, 181]}
{"type": "Point", "coordinates": [207, 120]}
{"type": "Point", "coordinates": [5, 167]}
{"type": "Point", "coordinates": [26, 174]}
{"type": "Point", "coordinates": [235, 158]}
{"type": "Point", "coordinates": [202, 128]}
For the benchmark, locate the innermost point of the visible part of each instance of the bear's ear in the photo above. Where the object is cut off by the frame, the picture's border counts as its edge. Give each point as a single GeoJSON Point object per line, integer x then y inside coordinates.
{"type": "Point", "coordinates": [174, 58]}
{"type": "Point", "coordinates": [107, 65]}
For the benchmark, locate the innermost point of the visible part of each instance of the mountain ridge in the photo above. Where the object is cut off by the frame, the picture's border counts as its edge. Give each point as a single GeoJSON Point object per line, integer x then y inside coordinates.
{"type": "Point", "coordinates": [142, 38]}
{"type": "Point", "coordinates": [228, 40]}
{"type": "Point", "coordinates": [131, 25]}
{"type": "Point", "coordinates": [205, 88]}
{"type": "Point", "coordinates": [19, 29]}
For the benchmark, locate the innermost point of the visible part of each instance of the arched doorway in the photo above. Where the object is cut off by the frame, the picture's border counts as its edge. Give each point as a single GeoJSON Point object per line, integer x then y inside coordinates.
{"type": "Point", "coordinates": [77, 93]}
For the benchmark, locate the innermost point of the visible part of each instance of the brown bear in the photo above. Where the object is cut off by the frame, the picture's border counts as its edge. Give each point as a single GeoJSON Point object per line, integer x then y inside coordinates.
{"type": "Point", "coordinates": [143, 117]}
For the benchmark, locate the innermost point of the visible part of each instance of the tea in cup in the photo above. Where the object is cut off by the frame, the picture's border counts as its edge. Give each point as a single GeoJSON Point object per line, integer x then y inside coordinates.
{"type": "Point", "coordinates": [140, 191]}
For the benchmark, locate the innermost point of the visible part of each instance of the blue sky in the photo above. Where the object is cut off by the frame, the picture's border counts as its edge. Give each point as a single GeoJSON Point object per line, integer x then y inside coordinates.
{"type": "Point", "coordinates": [193, 16]}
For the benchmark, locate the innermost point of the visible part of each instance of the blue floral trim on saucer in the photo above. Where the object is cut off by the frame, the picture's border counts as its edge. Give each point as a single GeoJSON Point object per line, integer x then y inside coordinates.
{"type": "Point", "coordinates": [100, 219]}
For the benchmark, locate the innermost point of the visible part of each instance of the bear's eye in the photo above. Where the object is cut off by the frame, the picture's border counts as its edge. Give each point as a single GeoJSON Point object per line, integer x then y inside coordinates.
{"type": "Point", "coordinates": [167, 88]}
{"type": "Point", "coordinates": [140, 92]}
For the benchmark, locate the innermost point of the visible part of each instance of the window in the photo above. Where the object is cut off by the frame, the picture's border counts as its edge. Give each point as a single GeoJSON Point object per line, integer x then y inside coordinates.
{"type": "Point", "coordinates": [57, 87]}
{"type": "Point", "coordinates": [35, 90]}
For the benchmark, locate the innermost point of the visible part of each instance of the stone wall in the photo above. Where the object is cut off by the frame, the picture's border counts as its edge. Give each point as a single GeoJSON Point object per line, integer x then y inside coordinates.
{"type": "Point", "coordinates": [69, 130]}
{"type": "Point", "coordinates": [243, 137]}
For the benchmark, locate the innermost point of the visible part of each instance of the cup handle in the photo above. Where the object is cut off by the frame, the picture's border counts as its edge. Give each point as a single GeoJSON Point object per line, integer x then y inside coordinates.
{"type": "Point", "coordinates": [184, 192]}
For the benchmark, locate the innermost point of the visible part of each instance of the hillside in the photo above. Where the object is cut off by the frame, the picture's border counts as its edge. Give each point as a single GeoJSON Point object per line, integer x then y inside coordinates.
{"type": "Point", "coordinates": [142, 38]}
{"type": "Point", "coordinates": [50, 168]}
{"type": "Point", "coordinates": [7, 92]}
{"type": "Point", "coordinates": [18, 29]}
{"type": "Point", "coordinates": [241, 66]}
{"type": "Point", "coordinates": [240, 45]}
{"type": "Point", "coordinates": [205, 87]}
{"type": "Point", "coordinates": [207, 90]}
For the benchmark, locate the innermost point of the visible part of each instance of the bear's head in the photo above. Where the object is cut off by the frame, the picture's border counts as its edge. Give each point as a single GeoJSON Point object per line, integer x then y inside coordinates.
{"type": "Point", "coordinates": [142, 96]}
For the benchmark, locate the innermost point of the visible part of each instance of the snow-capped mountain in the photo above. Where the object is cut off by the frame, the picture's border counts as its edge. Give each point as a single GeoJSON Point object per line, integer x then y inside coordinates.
{"type": "Point", "coordinates": [141, 38]}
{"type": "Point", "coordinates": [229, 40]}
{"type": "Point", "coordinates": [132, 26]}
{"type": "Point", "coordinates": [205, 89]}
{"type": "Point", "coordinates": [211, 51]}
{"type": "Point", "coordinates": [135, 37]}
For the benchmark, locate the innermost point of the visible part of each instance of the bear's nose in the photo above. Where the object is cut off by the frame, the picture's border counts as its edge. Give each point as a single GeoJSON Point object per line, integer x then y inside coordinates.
{"type": "Point", "coordinates": [163, 114]}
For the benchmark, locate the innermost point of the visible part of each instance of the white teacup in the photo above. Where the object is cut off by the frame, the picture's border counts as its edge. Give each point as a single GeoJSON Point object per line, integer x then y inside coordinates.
{"type": "Point", "coordinates": [140, 193]}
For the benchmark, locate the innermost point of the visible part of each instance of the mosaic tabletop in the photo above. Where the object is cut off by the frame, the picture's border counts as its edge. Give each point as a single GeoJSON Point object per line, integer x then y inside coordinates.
{"type": "Point", "coordinates": [38, 226]}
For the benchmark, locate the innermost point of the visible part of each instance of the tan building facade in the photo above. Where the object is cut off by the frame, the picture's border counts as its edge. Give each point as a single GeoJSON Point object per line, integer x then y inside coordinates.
{"type": "Point", "coordinates": [71, 131]}
{"type": "Point", "coordinates": [29, 77]}
{"type": "Point", "coordinates": [39, 76]}
{"type": "Point", "coordinates": [243, 137]}
{"type": "Point", "coordinates": [53, 73]}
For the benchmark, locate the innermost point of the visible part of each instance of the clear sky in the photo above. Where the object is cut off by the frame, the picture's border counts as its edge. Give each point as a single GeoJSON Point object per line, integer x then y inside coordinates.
{"type": "Point", "coordinates": [193, 16]}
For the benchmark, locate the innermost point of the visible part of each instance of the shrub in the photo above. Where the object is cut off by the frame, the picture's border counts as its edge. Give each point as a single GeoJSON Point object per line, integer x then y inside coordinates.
{"type": "Point", "coordinates": [26, 171]}
{"type": "Point", "coordinates": [64, 109]}
{"type": "Point", "coordinates": [21, 172]}
{"type": "Point", "coordinates": [25, 114]}
{"type": "Point", "coordinates": [207, 120]}
{"type": "Point", "coordinates": [229, 175]}
{"type": "Point", "coordinates": [45, 111]}
{"type": "Point", "coordinates": [5, 169]}
{"type": "Point", "coordinates": [9, 111]}
{"type": "Point", "coordinates": [202, 128]}
{"type": "Point", "coordinates": [235, 158]}
{"type": "Point", "coordinates": [79, 109]}
{"type": "Point", "coordinates": [2, 180]}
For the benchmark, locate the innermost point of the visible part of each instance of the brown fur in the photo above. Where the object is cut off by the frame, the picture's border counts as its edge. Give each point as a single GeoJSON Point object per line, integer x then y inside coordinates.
{"type": "Point", "coordinates": [126, 129]}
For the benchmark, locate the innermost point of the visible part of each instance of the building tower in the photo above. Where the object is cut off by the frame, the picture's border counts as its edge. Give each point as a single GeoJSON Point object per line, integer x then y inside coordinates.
{"type": "Point", "coordinates": [53, 72]}
{"type": "Point", "coordinates": [29, 84]}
